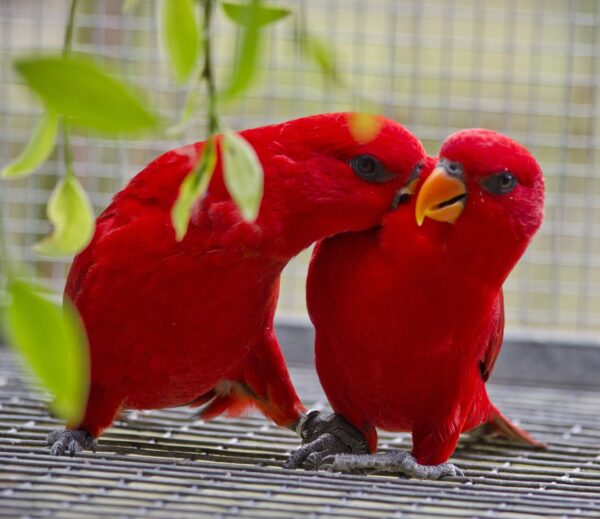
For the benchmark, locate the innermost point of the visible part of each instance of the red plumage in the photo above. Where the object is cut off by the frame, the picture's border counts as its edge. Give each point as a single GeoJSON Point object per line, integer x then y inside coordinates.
{"type": "Point", "coordinates": [409, 321]}
{"type": "Point", "coordinates": [172, 323]}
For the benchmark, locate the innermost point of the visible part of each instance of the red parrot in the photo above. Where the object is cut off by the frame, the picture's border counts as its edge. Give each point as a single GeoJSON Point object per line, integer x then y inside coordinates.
{"type": "Point", "coordinates": [190, 323]}
{"type": "Point", "coordinates": [409, 320]}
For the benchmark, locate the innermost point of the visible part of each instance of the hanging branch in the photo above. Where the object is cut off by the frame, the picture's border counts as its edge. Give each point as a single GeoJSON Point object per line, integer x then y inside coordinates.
{"type": "Point", "coordinates": [67, 45]}
{"type": "Point", "coordinates": [208, 72]}
{"type": "Point", "coordinates": [57, 332]}
{"type": "Point", "coordinates": [69, 209]}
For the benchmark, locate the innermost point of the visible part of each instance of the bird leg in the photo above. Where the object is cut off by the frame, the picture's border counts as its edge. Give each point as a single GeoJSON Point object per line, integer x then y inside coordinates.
{"type": "Point", "coordinates": [69, 441]}
{"type": "Point", "coordinates": [396, 461]}
{"type": "Point", "coordinates": [323, 437]}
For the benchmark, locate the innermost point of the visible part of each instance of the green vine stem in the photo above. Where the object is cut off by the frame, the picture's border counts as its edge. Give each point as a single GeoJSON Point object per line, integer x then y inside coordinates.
{"type": "Point", "coordinates": [69, 29]}
{"type": "Point", "coordinates": [7, 271]}
{"type": "Point", "coordinates": [67, 45]}
{"type": "Point", "coordinates": [208, 71]}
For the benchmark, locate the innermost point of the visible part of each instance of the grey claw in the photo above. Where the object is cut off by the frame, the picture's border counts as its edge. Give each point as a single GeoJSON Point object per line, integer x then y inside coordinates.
{"type": "Point", "coordinates": [52, 437]}
{"type": "Point", "coordinates": [302, 429]}
{"type": "Point", "coordinates": [312, 460]}
{"type": "Point", "coordinates": [314, 425]}
{"type": "Point", "coordinates": [69, 441]}
{"type": "Point", "coordinates": [453, 470]}
{"type": "Point", "coordinates": [323, 437]}
{"type": "Point", "coordinates": [342, 462]}
{"type": "Point", "coordinates": [328, 463]}
{"type": "Point", "coordinates": [57, 450]}
{"type": "Point", "coordinates": [322, 444]}
{"type": "Point", "coordinates": [328, 460]}
{"type": "Point", "coordinates": [399, 462]}
{"type": "Point", "coordinates": [74, 448]}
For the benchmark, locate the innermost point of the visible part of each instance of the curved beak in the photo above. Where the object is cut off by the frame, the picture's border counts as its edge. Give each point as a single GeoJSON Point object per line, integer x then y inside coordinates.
{"type": "Point", "coordinates": [441, 197]}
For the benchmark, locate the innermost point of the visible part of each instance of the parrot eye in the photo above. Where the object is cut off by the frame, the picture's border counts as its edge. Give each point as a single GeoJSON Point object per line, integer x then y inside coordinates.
{"type": "Point", "coordinates": [370, 169]}
{"type": "Point", "coordinates": [500, 183]}
{"type": "Point", "coordinates": [453, 168]}
{"type": "Point", "coordinates": [416, 172]}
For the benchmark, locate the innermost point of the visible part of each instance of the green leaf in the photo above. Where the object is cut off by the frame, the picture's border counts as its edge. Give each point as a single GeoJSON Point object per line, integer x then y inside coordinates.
{"type": "Point", "coordinates": [71, 214]}
{"type": "Point", "coordinates": [192, 187]}
{"type": "Point", "coordinates": [247, 51]}
{"type": "Point", "coordinates": [52, 340]}
{"type": "Point", "coordinates": [77, 88]}
{"type": "Point", "coordinates": [37, 150]}
{"type": "Point", "coordinates": [364, 127]}
{"type": "Point", "coordinates": [239, 13]}
{"type": "Point", "coordinates": [189, 107]}
{"type": "Point", "coordinates": [321, 54]}
{"type": "Point", "coordinates": [243, 174]}
{"type": "Point", "coordinates": [181, 37]}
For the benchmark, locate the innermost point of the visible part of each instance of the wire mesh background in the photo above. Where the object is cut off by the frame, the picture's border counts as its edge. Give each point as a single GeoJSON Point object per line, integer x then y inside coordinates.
{"type": "Point", "coordinates": [529, 68]}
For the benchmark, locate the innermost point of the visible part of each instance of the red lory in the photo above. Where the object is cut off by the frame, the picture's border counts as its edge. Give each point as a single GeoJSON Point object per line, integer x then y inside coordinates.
{"type": "Point", "coordinates": [190, 322]}
{"type": "Point", "coordinates": [409, 318]}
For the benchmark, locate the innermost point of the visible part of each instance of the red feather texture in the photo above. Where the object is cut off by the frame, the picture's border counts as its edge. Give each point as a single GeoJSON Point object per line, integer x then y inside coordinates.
{"type": "Point", "coordinates": [172, 323]}
{"type": "Point", "coordinates": [409, 320]}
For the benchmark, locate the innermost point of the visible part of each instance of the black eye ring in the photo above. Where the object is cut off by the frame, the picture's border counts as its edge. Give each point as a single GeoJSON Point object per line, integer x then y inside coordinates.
{"type": "Point", "coordinates": [500, 183]}
{"type": "Point", "coordinates": [370, 169]}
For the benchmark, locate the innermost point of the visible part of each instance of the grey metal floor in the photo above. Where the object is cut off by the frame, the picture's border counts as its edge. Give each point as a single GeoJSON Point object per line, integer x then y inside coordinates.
{"type": "Point", "coordinates": [161, 464]}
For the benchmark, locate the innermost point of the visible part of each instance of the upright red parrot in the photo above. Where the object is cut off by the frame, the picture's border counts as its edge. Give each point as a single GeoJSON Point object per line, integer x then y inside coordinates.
{"type": "Point", "coordinates": [173, 323]}
{"type": "Point", "coordinates": [409, 320]}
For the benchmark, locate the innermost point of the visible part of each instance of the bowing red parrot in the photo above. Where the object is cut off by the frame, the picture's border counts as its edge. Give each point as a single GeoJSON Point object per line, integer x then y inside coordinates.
{"type": "Point", "coordinates": [409, 320]}
{"type": "Point", "coordinates": [190, 322]}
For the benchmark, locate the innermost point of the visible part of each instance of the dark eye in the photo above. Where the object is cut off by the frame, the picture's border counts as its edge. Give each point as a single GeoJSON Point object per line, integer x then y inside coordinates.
{"type": "Point", "coordinates": [500, 183]}
{"type": "Point", "coordinates": [416, 172]}
{"type": "Point", "coordinates": [370, 169]}
{"type": "Point", "coordinates": [453, 168]}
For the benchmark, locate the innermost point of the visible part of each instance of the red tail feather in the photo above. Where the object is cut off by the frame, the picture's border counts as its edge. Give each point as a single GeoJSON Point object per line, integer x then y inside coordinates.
{"type": "Point", "coordinates": [505, 428]}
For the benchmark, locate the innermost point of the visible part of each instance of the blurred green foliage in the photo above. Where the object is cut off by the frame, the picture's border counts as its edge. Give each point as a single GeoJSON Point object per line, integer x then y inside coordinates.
{"type": "Point", "coordinates": [181, 36]}
{"type": "Point", "coordinates": [37, 150]}
{"type": "Point", "coordinates": [76, 91]}
{"type": "Point", "coordinates": [75, 87]}
{"type": "Point", "coordinates": [71, 215]}
{"type": "Point", "coordinates": [242, 174]}
{"type": "Point", "coordinates": [193, 187]}
{"type": "Point", "coordinates": [527, 68]}
{"type": "Point", "coordinates": [53, 342]}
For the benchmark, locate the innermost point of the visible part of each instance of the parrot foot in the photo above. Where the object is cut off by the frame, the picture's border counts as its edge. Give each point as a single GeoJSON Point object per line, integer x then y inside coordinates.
{"type": "Point", "coordinates": [323, 437]}
{"type": "Point", "coordinates": [70, 441]}
{"type": "Point", "coordinates": [402, 462]}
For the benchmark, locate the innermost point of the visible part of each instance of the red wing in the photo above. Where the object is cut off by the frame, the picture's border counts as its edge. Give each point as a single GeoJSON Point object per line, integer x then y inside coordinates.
{"type": "Point", "coordinates": [87, 257]}
{"type": "Point", "coordinates": [154, 189]}
{"type": "Point", "coordinates": [495, 341]}
{"type": "Point", "coordinates": [79, 268]}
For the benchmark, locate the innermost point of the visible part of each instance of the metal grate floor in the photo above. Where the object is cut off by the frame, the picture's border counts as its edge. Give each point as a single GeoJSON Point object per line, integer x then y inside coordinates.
{"type": "Point", "coordinates": [161, 464]}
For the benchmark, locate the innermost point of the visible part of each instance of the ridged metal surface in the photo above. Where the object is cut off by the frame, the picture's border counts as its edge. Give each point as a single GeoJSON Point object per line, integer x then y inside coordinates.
{"type": "Point", "coordinates": [163, 464]}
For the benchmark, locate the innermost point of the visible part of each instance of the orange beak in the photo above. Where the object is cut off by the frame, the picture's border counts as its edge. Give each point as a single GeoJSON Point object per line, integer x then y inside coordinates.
{"type": "Point", "coordinates": [441, 197]}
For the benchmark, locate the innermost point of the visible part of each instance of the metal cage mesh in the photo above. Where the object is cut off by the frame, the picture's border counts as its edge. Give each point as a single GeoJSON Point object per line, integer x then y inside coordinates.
{"type": "Point", "coordinates": [161, 464]}
{"type": "Point", "coordinates": [529, 68]}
